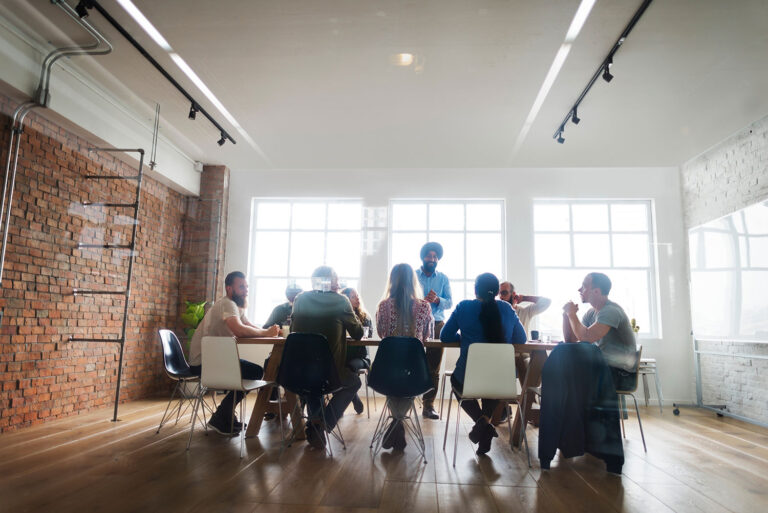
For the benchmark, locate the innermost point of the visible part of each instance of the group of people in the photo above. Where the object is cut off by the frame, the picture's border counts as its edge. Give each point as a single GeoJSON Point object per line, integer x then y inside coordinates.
{"type": "Point", "coordinates": [413, 305]}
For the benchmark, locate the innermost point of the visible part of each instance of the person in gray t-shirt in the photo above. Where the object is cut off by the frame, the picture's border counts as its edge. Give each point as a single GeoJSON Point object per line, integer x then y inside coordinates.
{"type": "Point", "coordinates": [606, 324]}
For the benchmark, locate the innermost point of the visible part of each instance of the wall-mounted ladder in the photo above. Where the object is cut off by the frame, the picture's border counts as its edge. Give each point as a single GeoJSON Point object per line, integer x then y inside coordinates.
{"type": "Point", "coordinates": [131, 247]}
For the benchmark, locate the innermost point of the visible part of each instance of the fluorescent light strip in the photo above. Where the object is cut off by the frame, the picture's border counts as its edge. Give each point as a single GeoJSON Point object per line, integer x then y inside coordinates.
{"type": "Point", "coordinates": [150, 29]}
{"type": "Point", "coordinates": [142, 20]}
{"type": "Point", "coordinates": [585, 7]}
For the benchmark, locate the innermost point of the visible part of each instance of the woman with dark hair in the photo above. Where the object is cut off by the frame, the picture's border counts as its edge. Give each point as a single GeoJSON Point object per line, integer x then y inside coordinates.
{"type": "Point", "coordinates": [402, 312]}
{"type": "Point", "coordinates": [484, 319]}
{"type": "Point", "coordinates": [357, 356]}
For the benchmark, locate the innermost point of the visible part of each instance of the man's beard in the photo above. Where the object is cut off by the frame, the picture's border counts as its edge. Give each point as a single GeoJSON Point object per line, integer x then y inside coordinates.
{"type": "Point", "coordinates": [429, 266]}
{"type": "Point", "coordinates": [240, 301]}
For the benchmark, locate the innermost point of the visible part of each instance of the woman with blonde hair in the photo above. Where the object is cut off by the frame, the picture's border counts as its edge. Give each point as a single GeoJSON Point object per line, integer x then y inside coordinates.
{"type": "Point", "coordinates": [402, 312]}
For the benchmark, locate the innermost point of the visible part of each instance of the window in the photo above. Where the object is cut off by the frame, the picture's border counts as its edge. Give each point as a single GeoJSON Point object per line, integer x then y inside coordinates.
{"type": "Point", "coordinates": [290, 238]}
{"type": "Point", "coordinates": [471, 233]}
{"type": "Point", "coordinates": [573, 238]}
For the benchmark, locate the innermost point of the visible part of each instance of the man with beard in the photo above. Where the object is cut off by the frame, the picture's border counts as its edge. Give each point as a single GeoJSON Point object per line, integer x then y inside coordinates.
{"type": "Point", "coordinates": [526, 313]}
{"type": "Point", "coordinates": [437, 292]}
{"type": "Point", "coordinates": [226, 318]}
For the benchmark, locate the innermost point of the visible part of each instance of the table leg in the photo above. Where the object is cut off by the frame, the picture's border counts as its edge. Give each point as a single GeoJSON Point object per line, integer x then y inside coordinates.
{"type": "Point", "coordinates": [532, 379]}
{"type": "Point", "coordinates": [262, 398]}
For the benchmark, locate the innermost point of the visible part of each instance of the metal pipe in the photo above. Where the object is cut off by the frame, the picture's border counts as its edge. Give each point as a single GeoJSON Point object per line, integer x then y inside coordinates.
{"type": "Point", "coordinates": [42, 94]}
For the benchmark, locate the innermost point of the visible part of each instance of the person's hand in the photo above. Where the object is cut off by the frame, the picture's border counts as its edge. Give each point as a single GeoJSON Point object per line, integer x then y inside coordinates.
{"type": "Point", "coordinates": [432, 297]}
{"type": "Point", "coordinates": [516, 298]}
{"type": "Point", "coordinates": [273, 330]}
{"type": "Point", "coordinates": [570, 308]}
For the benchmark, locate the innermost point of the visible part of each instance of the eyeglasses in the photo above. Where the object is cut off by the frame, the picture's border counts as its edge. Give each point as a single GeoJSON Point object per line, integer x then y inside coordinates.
{"type": "Point", "coordinates": [504, 293]}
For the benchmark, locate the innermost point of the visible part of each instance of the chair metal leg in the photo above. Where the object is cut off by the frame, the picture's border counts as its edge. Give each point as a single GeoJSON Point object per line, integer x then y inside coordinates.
{"type": "Point", "coordinates": [447, 420]}
{"type": "Point", "coordinates": [192, 428]}
{"type": "Point", "coordinates": [418, 434]}
{"type": "Point", "coordinates": [658, 390]}
{"type": "Point", "coordinates": [523, 436]}
{"type": "Point", "coordinates": [645, 388]}
{"type": "Point", "coordinates": [621, 416]}
{"type": "Point", "coordinates": [640, 422]}
{"type": "Point", "coordinates": [367, 403]}
{"type": "Point", "coordinates": [280, 413]}
{"type": "Point", "coordinates": [456, 437]}
{"type": "Point", "coordinates": [378, 433]}
{"type": "Point", "coordinates": [173, 394]}
{"type": "Point", "coordinates": [242, 430]}
{"type": "Point", "coordinates": [442, 396]}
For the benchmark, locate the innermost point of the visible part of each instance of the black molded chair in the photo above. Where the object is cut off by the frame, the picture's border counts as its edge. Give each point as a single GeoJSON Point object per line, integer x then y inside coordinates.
{"type": "Point", "coordinates": [307, 368]}
{"type": "Point", "coordinates": [177, 368]}
{"type": "Point", "coordinates": [400, 371]}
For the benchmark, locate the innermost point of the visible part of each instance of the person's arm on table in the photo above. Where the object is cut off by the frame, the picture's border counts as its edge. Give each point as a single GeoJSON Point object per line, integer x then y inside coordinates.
{"type": "Point", "coordinates": [239, 329]}
{"type": "Point", "coordinates": [351, 323]}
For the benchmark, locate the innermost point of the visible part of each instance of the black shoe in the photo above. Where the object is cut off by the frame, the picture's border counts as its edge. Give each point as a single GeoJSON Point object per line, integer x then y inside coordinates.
{"type": "Point", "coordinates": [357, 404]}
{"type": "Point", "coordinates": [398, 436]}
{"type": "Point", "coordinates": [477, 429]}
{"type": "Point", "coordinates": [222, 426]}
{"type": "Point", "coordinates": [315, 436]}
{"type": "Point", "coordinates": [486, 435]}
{"type": "Point", "coordinates": [429, 413]}
{"type": "Point", "coordinates": [389, 439]}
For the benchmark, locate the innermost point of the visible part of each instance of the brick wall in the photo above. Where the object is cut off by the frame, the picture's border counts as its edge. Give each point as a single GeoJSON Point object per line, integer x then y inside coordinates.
{"type": "Point", "coordinates": [727, 178]}
{"type": "Point", "coordinates": [42, 375]}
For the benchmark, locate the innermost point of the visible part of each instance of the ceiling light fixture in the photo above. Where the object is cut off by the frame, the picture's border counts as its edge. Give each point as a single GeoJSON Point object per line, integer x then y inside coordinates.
{"type": "Point", "coordinates": [603, 70]}
{"type": "Point", "coordinates": [582, 12]}
{"type": "Point", "coordinates": [606, 70]}
{"type": "Point", "coordinates": [82, 8]}
{"type": "Point", "coordinates": [403, 59]}
{"type": "Point", "coordinates": [193, 111]}
{"type": "Point", "coordinates": [222, 140]}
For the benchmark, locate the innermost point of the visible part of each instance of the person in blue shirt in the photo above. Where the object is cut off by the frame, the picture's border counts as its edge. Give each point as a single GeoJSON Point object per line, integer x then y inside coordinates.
{"type": "Point", "coordinates": [437, 292]}
{"type": "Point", "coordinates": [484, 319]}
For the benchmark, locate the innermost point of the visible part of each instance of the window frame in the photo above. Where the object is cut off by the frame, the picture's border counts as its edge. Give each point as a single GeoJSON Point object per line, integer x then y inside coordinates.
{"type": "Point", "coordinates": [651, 270]}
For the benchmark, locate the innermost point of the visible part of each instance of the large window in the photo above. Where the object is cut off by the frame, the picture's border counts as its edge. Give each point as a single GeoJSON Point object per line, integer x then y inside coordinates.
{"type": "Point", "coordinates": [573, 238]}
{"type": "Point", "coordinates": [471, 233]}
{"type": "Point", "coordinates": [290, 238]}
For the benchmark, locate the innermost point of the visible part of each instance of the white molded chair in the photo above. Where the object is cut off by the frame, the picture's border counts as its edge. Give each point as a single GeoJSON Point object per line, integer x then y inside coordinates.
{"type": "Point", "coordinates": [490, 374]}
{"type": "Point", "coordinates": [221, 370]}
{"type": "Point", "coordinates": [648, 366]}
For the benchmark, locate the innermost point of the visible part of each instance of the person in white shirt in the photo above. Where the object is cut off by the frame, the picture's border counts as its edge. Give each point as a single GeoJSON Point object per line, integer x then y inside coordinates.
{"type": "Point", "coordinates": [226, 318]}
{"type": "Point", "coordinates": [525, 312]}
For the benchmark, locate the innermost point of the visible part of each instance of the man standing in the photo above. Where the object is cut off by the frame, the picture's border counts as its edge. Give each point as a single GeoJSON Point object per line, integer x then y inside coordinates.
{"type": "Point", "coordinates": [605, 324]}
{"type": "Point", "coordinates": [281, 314]}
{"type": "Point", "coordinates": [226, 318]}
{"type": "Point", "coordinates": [437, 292]}
{"type": "Point", "coordinates": [325, 311]}
{"type": "Point", "coordinates": [537, 304]}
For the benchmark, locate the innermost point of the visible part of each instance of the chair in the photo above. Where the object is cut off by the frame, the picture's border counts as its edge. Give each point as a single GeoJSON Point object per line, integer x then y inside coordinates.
{"type": "Point", "coordinates": [490, 374]}
{"type": "Point", "coordinates": [221, 370]}
{"type": "Point", "coordinates": [523, 422]}
{"type": "Point", "coordinates": [307, 368]}
{"type": "Point", "coordinates": [177, 368]}
{"type": "Point", "coordinates": [648, 366]}
{"type": "Point", "coordinates": [400, 370]}
{"type": "Point", "coordinates": [630, 391]}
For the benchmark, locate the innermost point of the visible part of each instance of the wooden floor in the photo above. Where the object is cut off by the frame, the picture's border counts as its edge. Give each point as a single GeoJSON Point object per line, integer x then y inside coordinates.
{"type": "Point", "coordinates": [695, 462]}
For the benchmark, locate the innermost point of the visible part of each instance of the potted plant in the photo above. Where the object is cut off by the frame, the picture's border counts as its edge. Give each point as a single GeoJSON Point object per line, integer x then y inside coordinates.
{"type": "Point", "coordinates": [191, 318]}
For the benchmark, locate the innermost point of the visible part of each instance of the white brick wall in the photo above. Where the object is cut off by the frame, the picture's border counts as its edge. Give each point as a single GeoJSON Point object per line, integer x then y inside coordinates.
{"type": "Point", "coordinates": [727, 178]}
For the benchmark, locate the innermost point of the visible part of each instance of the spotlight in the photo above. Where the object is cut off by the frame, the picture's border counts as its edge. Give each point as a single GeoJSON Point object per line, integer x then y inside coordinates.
{"type": "Point", "coordinates": [606, 71]}
{"type": "Point", "coordinates": [560, 138]}
{"type": "Point", "coordinates": [193, 111]}
{"type": "Point", "coordinates": [574, 117]}
{"type": "Point", "coordinates": [81, 8]}
{"type": "Point", "coordinates": [222, 140]}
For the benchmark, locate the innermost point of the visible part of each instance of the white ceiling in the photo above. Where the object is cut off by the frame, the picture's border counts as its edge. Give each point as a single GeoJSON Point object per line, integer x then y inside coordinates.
{"type": "Point", "coordinates": [313, 84]}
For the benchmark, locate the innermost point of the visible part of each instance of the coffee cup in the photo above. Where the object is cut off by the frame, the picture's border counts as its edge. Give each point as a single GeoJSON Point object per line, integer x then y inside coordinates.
{"type": "Point", "coordinates": [285, 331]}
{"type": "Point", "coordinates": [366, 332]}
{"type": "Point", "coordinates": [534, 335]}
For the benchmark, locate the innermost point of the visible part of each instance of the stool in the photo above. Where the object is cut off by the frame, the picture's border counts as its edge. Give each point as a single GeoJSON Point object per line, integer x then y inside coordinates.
{"type": "Point", "coordinates": [446, 375]}
{"type": "Point", "coordinates": [648, 366]}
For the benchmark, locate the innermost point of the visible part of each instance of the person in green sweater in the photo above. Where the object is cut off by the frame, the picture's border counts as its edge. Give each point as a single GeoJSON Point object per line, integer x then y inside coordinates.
{"type": "Point", "coordinates": [323, 310]}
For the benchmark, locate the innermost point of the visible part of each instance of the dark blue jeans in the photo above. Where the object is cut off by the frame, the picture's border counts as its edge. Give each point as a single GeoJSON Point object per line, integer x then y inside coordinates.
{"type": "Point", "coordinates": [248, 370]}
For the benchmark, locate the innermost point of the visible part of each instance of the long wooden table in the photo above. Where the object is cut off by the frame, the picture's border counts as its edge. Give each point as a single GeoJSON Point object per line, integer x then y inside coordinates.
{"type": "Point", "coordinates": [536, 350]}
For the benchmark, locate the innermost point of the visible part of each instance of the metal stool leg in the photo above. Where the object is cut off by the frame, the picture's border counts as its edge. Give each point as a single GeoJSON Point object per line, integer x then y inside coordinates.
{"type": "Point", "coordinates": [658, 390]}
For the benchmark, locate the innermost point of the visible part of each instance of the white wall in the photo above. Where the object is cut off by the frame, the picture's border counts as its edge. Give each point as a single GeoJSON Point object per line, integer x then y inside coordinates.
{"type": "Point", "coordinates": [518, 187]}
